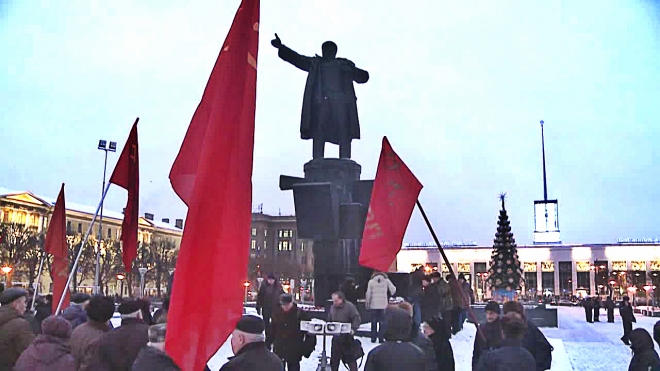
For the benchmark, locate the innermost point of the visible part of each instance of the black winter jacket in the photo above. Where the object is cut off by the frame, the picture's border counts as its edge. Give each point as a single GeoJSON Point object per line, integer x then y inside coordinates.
{"type": "Point", "coordinates": [426, 345]}
{"type": "Point", "coordinates": [397, 353]}
{"type": "Point", "coordinates": [510, 356]}
{"type": "Point", "coordinates": [253, 357]}
{"type": "Point", "coordinates": [288, 339]}
{"type": "Point", "coordinates": [644, 356]}
{"type": "Point", "coordinates": [536, 344]}
{"type": "Point", "coordinates": [492, 339]}
{"type": "Point", "coordinates": [152, 359]}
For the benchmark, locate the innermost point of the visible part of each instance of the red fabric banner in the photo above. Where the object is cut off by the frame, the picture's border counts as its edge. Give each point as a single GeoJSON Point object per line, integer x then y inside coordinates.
{"type": "Point", "coordinates": [213, 175]}
{"type": "Point", "coordinates": [393, 198]}
{"type": "Point", "coordinates": [57, 246]}
{"type": "Point", "coordinates": [127, 176]}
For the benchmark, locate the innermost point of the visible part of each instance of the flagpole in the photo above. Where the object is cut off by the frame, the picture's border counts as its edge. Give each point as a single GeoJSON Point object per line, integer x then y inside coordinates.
{"type": "Point", "coordinates": [36, 287]}
{"type": "Point", "coordinates": [82, 246]}
{"type": "Point", "coordinates": [473, 318]}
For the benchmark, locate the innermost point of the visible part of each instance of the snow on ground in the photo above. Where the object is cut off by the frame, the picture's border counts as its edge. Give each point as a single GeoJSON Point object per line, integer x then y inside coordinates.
{"type": "Point", "coordinates": [579, 346]}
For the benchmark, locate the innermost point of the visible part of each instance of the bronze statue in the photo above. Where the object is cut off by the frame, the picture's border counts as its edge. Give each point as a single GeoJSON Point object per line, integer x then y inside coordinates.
{"type": "Point", "coordinates": [329, 111]}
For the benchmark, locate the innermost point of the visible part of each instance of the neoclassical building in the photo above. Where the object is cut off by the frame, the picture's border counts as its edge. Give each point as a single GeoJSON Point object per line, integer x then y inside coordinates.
{"type": "Point", "coordinates": [562, 270]}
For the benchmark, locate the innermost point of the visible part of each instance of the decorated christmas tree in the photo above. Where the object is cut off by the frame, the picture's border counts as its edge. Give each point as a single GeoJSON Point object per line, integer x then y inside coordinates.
{"type": "Point", "coordinates": [505, 274]}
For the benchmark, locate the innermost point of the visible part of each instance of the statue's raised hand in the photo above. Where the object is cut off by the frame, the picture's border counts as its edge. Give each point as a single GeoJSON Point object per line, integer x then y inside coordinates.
{"type": "Point", "coordinates": [276, 42]}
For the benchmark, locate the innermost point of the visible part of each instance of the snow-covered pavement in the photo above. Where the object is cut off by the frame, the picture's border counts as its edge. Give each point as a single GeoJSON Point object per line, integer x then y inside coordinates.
{"type": "Point", "coordinates": [579, 346]}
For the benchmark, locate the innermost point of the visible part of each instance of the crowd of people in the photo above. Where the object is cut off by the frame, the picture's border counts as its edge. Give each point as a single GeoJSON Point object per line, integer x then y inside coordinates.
{"type": "Point", "coordinates": [82, 336]}
{"type": "Point", "coordinates": [412, 333]}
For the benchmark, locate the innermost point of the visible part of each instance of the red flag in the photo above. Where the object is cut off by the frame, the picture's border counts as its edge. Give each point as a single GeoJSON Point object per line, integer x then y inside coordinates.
{"type": "Point", "coordinates": [127, 176]}
{"type": "Point", "coordinates": [393, 198]}
{"type": "Point", "coordinates": [57, 246]}
{"type": "Point", "coordinates": [213, 175]}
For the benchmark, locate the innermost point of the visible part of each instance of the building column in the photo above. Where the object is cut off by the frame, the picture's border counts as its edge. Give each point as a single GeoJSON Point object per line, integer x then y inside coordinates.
{"type": "Point", "coordinates": [592, 278]}
{"type": "Point", "coordinates": [574, 285]}
{"type": "Point", "coordinates": [648, 271]}
{"type": "Point", "coordinates": [557, 290]}
{"type": "Point", "coordinates": [539, 279]}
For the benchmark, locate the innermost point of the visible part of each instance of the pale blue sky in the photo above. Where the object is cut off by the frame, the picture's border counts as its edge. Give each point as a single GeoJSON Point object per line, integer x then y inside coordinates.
{"type": "Point", "coordinates": [458, 87]}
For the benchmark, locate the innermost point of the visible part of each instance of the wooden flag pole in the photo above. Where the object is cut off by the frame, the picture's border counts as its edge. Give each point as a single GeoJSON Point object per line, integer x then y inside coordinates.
{"type": "Point", "coordinates": [471, 315]}
{"type": "Point", "coordinates": [82, 246]}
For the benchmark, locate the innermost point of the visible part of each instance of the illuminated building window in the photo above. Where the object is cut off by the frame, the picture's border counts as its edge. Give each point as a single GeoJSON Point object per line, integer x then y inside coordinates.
{"type": "Point", "coordinates": [285, 233]}
{"type": "Point", "coordinates": [284, 245]}
{"type": "Point", "coordinates": [254, 231]}
{"type": "Point", "coordinates": [253, 244]}
{"type": "Point", "coordinates": [265, 245]}
{"type": "Point", "coordinates": [302, 246]}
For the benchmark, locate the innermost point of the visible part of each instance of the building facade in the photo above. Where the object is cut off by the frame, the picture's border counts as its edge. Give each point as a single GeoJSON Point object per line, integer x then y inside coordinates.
{"type": "Point", "coordinates": [624, 268]}
{"type": "Point", "coordinates": [275, 248]}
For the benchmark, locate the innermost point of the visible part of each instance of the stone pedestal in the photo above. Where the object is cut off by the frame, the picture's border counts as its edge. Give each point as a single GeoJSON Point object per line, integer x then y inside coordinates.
{"type": "Point", "coordinates": [331, 206]}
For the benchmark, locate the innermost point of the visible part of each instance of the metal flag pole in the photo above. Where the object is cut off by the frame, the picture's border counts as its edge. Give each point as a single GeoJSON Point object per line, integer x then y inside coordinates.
{"type": "Point", "coordinates": [471, 315]}
{"type": "Point", "coordinates": [38, 283]}
{"type": "Point", "coordinates": [82, 246]}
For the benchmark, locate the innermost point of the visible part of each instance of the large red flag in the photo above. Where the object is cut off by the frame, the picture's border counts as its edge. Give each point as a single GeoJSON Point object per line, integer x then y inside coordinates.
{"type": "Point", "coordinates": [127, 176]}
{"type": "Point", "coordinates": [213, 175]}
{"type": "Point", "coordinates": [57, 246]}
{"type": "Point", "coordinates": [393, 198]}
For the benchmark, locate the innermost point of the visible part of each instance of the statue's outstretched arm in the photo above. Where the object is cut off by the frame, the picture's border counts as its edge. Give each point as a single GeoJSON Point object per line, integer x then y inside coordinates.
{"type": "Point", "coordinates": [300, 61]}
{"type": "Point", "coordinates": [359, 75]}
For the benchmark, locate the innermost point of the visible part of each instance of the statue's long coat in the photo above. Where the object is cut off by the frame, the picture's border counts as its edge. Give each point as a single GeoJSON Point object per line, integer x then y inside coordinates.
{"type": "Point", "coordinates": [310, 120]}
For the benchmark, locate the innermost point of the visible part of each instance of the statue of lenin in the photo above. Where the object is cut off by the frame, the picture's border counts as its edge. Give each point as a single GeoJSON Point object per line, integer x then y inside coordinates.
{"type": "Point", "coordinates": [329, 111]}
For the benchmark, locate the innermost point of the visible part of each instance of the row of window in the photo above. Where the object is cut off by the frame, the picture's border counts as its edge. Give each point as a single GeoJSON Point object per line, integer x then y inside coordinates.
{"type": "Point", "coordinates": [282, 233]}
{"type": "Point", "coordinates": [282, 245]}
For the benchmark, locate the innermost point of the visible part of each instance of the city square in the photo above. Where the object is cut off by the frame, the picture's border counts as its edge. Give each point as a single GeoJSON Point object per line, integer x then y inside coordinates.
{"type": "Point", "coordinates": [198, 187]}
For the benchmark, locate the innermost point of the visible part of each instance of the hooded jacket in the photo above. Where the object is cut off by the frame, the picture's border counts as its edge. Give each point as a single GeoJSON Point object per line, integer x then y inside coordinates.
{"type": "Point", "coordinates": [152, 359]}
{"type": "Point", "coordinates": [377, 291]}
{"type": "Point", "coordinates": [397, 353]}
{"type": "Point", "coordinates": [46, 353]}
{"type": "Point", "coordinates": [15, 336]}
{"type": "Point", "coordinates": [644, 356]}
{"type": "Point", "coordinates": [75, 314]}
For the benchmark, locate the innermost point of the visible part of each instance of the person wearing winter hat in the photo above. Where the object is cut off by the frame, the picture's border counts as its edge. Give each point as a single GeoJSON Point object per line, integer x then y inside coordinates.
{"type": "Point", "coordinates": [533, 340]}
{"type": "Point", "coordinates": [287, 339]}
{"type": "Point", "coordinates": [153, 356]}
{"type": "Point", "coordinates": [100, 310]}
{"type": "Point", "coordinates": [511, 355]}
{"type": "Point", "coordinates": [418, 338]}
{"type": "Point", "coordinates": [491, 330]}
{"type": "Point", "coordinates": [50, 350]}
{"type": "Point", "coordinates": [627, 318]}
{"type": "Point", "coordinates": [436, 330]}
{"type": "Point", "coordinates": [249, 347]}
{"type": "Point", "coordinates": [15, 331]}
{"type": "Point", "coordinates": [397, 353]}
{"type": "Point", "coordinates": [644, 355]}
{"type": "Point", "coordinates": [75, 313]}
{"type": "Point", "coordinates": [118, 349]}
{"type": "Point", "coordinates": [267, 300]}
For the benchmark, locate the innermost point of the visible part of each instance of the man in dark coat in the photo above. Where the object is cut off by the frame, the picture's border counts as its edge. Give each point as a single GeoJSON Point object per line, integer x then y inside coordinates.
{"type": "Point", "coordinates": [247, 343]}
{"type": "Point", "coordinates": [342, 345]}
{"type": "Point", "coordinates": [15, 331]}
{"type": "Point", "coordinates": [419, 339]}
{"type": "Point", "coordinates": [75, 313]}
{"type": "Point", "coordinates": [511, 355]}
{"type": "Point", "coordinates": [627, 317]}
{"type": "Point", "coordinates": [267, 300]}
{"type": "Point", "coordinates": [117, 350]}
{"type": "Point", "coordinates": [437, 332]}
{"type": "Point", "coordinates": [100, 310]}
{"type": "Point", "coordinates": [609, 305]}
{"type": "Point", "coordinates": [152, 356]}
{"type": "Point", "coordinates": [597, 306]}
{"type": "Point", "coordinates": [588, 309]}
{"type": "Point", "coordinates": [329, 111]}
{"type": "Point", "coordinates": [430, 300]}
{"type": "Point", "coordinates": [397, 353]}
{"type": "Point", "coordinates": [350, 290]}
{"type": "Point", "coordinates": [533, 340]}
{"type": "Point", "coordinates": [287, 337]}
{"type": "Point", "coordinates": [644, 356]}
{"type": "Point", "coordinates": [492, 333]}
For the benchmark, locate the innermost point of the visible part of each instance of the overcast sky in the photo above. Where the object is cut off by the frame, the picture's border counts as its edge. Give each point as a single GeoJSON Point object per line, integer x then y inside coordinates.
{"type": "Point", "coordinates": [459, 88]}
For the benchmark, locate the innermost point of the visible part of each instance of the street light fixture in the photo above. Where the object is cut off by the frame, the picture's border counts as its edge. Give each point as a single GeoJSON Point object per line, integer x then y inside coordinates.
{"type": "Point", "coordinates": [121, 278]}
{"type": "Point", "coordinates": [106, 147]}
{"type": "Point", "coordinates": [246, 284]}
{"type": "Point", "coordinates": [6, 270]}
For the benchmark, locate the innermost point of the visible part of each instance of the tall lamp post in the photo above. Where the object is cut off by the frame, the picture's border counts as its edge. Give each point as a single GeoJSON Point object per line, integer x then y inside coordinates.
{"type": "Point", "coordinates": [246, 284]}
{"type": "Point", "coordinates": [7, 270]}
{"type": "Point", "coordinates": [142, 271]}
{"type": "Point", "coordinates": [106, 147]}
{"type": "Point", "coordinates": [596, 269]}
{"type": "Point", "coordinates": [120, 278]}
